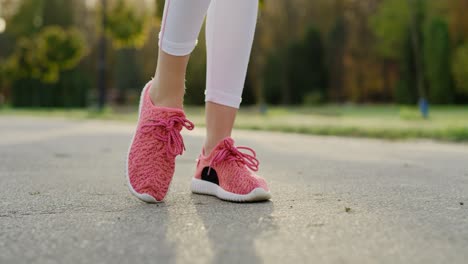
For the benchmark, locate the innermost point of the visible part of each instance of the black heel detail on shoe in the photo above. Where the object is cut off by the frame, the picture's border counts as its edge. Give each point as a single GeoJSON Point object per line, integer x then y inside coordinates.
{"type": "Point", "coordinates": [210, 175]}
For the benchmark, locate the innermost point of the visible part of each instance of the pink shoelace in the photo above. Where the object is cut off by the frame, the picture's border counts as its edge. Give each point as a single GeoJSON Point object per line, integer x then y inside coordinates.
{"type": "Point", "coordinates": [173, 139]}
{"type": "Point", "coordinates": [231, 153]}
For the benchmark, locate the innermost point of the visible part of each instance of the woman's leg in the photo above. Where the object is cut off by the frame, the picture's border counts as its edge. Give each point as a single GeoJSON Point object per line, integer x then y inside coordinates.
{"type": "Point", "coordinates": [230, 30]}
{"type": "Point", "coordinates": [157, 140]}
{"type": "Point", "coordinates": [182, 21]}
{"type": "Point", "coordinates": [225, 170]}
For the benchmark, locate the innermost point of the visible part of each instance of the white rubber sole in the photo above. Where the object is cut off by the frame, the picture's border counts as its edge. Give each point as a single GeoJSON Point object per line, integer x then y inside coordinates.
{"type": "Point", "coordinates": [208, 188]}
{"type": "Point", "coordinates": [142, 196]}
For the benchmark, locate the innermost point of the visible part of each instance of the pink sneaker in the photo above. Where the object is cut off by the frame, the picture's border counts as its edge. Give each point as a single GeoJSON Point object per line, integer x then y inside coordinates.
{"type": "Point", "coordinates": [227, 173]}
{"type": "Point", "coordinates": [155, 145]}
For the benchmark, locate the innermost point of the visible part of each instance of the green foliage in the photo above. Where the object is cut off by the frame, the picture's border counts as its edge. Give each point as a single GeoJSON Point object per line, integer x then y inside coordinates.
{"type": "Point", "coordinates": [71, 90]}
{"type": "Point", "coordinates": [272, 79]}
{"type": "Point", "coordinates": [57, 12]}
{"type": "Point", "coordinates": [306, 73]}
{"type": "Point", "coordinates": [28, 19]}
{"type": "Point", "coordinates": [437, 62]}
{"type": "Point", "coordinates": [2, 81]}
{"type": "Point", "coordinates": [410, 113]}
{"type": "Point", "coordinates": [33, 15]}
{"type": "Point", "coordinates": [128, 29]}
{"type": "Point", "coordinates": [314, 51]}
{"type": "Point", "coordinates": [460, 69]}
{"type": "Point", "coordinates": [127, 72]}
{"type": "Point", "coordinates": [196, 75]}
{"type": "Point", "coordinates": [406, 90]}
{"type": "Point", "coordinates": [410, 51]}
{"type": "Point", "coordinates": [368, 50]}
{"type": "Point", "coordinates": [41, 70]}
{"type": "Point", "coordinates": [159, 9]}
{"type": "Point", "coordinates": [313, 98]}
{"type": "Point", "coordinates": [335, 52]}
{"type": "Point", "coordinates": [23, 61]}
{"type": "Point", "coordinates": [389, 25]}
{"type": "Point", "coordinates": [60, 49]}
{"type": "Point", "coordinates": [45, 55]}
{"type": "Point", "coordinates": [125, 26]}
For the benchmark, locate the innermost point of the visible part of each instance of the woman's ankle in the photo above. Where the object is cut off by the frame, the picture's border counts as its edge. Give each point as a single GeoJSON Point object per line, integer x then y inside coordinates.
{"type": "Point", "coordinates": [207, 149]}
{"type": "Point", "coordinates": [165, 98]}
{"type": "Point", "coordinates": [211, 143]}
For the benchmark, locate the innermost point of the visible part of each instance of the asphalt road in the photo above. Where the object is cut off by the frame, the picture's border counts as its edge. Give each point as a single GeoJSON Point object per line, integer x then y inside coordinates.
{"type": "Point", "coordinates": [63, 199]}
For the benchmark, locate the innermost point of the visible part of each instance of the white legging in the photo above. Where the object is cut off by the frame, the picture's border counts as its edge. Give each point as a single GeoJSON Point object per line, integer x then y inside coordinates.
{"type": "Point", "coordinates": [230, 29]}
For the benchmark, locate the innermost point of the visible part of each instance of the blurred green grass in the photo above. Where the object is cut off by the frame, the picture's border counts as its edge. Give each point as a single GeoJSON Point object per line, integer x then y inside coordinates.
{"type": "Point", "coordinates": [447, 123]}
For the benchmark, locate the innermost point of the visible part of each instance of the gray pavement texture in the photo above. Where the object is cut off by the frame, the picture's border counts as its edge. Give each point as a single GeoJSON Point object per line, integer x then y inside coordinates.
{"type": "Point", "coordinates": [63, 199]}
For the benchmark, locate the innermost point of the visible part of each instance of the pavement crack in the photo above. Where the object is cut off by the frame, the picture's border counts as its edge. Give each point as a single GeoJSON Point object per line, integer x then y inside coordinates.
{"type": "Point", "coordinates": [58, 212]}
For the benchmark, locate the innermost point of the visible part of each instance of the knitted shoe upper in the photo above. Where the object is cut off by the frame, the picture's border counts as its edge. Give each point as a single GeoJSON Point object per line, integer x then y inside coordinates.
{"type": "Point", "coordinates": [156, 144]}
{"type": "Point", "coordinates": [234, 169]}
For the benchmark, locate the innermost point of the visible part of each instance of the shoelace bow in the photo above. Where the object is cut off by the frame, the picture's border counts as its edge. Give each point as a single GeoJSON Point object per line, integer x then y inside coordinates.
{"type": "Point", "coordinates": [173, 139]}
{"type": "Point", "coordinates": [231, 153]}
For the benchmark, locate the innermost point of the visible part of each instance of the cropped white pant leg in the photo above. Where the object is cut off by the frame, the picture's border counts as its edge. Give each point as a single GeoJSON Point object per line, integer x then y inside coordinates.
{"type": "Point", "coordinates": [230, 30]}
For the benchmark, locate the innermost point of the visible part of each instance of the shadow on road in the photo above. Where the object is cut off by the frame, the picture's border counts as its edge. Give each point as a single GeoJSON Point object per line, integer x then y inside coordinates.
{"type": "Point", "coordinates": [232, 228]}
{"type": "Point", "coordinates": [148, 223]}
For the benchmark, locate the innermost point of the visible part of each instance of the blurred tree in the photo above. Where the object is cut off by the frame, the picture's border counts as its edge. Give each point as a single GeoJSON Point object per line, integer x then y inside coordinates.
{"type": "Point", "coordinates": [33, 15]}
{"type": "Point", "coordinates": [59, 50]}
{"type": "Point", "coordinates": [437, 62]}
{"type": "Point", "coordinates": [362, 79]}
{"type": "Point", "coordinates": [27, 20]}
{"type": "Point", "coordinates": [417, 15]}
{"type": "Point", "coordinates": [458, 19]}
{"type": "Point", "coordinates": [286, 16]}
{"type": "Point", "coordinates": [58, 12]}
{"type": "Point", "coordinates": [40, 69]}
{"type": "Point", "coordinates": [375, 50]}
{"type": "Point", "coordinates": [44, 56]}
{"type": "Point", "coordinates": [159, 10]}
{"type": "Point", "coordinates": [272, 79]}
{"type": "Point", "coordinates": [460, 69]}
{"type": "Point", "coordinates": [398, 27]}
{"type": "Point", "coordinates": [102, 58]}
{"type": "Point", "coordinates": [389, 25]}
{"type": "Point", "coordinates": [125, 26]}
{"type": "Point", "coordinates": [127, 72]}
{"type": "Point", "coordinates": [308, 75]}
{"type": "Point", "coordinates": [336, 51]}
{"type": "Point", "coordinates": [258, 56]}
{"type": "Point", "coordinates": [128, 29]}
{"type": "Point", "coordinates": [272, 39]}
{"type": "Point", "coordinates": [23, 60]}
{"type": "Point", "coordinates": [405, 91]}
{"type": "Point", "coordinates": [196, 73]}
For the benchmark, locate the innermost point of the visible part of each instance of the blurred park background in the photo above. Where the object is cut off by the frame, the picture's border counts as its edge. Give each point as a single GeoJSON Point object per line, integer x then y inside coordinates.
{"type": "Point", "coordinates": [331, 67]}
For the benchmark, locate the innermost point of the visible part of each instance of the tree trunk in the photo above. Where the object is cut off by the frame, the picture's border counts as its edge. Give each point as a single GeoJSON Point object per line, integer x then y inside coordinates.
{"type": "Point", "coordinates": [416, 45]}
{"type": "Point", "coordinates": [102, 61]}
